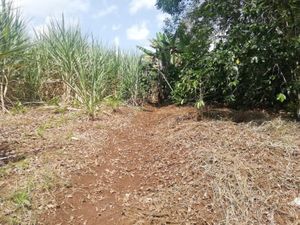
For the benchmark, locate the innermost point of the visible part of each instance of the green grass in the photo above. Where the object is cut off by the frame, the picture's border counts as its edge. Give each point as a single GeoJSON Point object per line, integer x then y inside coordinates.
{"type": "Point", "coordinates": [22, 164]}
{"type": "Point", "coordinates": [22, 199]}
{"type": "Point", "coordinates": [61, 110]}
{"type": "Point", "coordinates": [40, 131]}
{"type": "Point", "coordinates": [18, 108]}
{"type": "Point", "coordinates": [55, 121]}
{"type": "Point", "coordinates": [54, 101]}
{"type": "Point", "coordinates": [112, 102]}
{"type": "Point", "coordinates": [90, 72]}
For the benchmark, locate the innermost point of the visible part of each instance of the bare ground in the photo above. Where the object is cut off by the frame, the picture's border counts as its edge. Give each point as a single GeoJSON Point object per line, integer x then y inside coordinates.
{"type": "Point", "coordinates": [148, 166]}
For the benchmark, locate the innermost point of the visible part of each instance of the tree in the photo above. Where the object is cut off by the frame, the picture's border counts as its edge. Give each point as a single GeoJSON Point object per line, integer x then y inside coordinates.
{"type": "Point", "coordinates": [238, 52]}
{"type": "Point", "coordinates": [162, 63]}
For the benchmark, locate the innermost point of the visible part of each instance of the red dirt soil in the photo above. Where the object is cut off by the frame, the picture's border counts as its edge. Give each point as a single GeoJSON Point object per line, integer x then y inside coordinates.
{"type": "Point", "coordinates": [147, 176]}
{"type": "Point", "coordinates": [97, 197]}
{"type": "Point", "coordinates": [158, 166]}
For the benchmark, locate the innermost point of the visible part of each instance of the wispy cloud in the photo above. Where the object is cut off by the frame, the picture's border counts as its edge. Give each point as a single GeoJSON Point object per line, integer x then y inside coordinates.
{"type": "Point", "coordinates": [38, 8]}
{"type": "Point", "coordinates": [107, 11]}
{"type": "Point", "coordinates": [115, 23]}
{"type": "Point", "coordinates": [43, 27]}
{"type": "Point", "coordinates": [138, 32]}
{"type": "Point", "coordinates": [137, 5]}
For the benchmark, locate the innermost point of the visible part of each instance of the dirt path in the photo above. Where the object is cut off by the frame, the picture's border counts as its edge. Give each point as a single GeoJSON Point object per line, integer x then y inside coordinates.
{"type": "Point", "coordinates": [164, 167]}
{"type": "Point", "coordinates": [152, 166]}
{"type": "Point", "coordinates": [98, 194]}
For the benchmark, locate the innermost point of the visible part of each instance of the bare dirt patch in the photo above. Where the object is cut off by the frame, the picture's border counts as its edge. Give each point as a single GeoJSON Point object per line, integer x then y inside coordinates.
{"type": "Point", "coordinates": [149, 166]}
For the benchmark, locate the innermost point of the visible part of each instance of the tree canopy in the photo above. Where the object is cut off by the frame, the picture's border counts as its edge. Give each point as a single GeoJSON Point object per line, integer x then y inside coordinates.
{"type": "Point", "coordinates": [236, 52]}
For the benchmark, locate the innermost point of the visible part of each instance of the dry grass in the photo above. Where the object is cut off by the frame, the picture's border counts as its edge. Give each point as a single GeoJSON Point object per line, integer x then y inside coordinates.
{"type": "Point", "coordinates": [207, 172]}
{"type": "Point", "coordinates": [55, 142]}
{"type": "Point", "coordinates": [220, 172]}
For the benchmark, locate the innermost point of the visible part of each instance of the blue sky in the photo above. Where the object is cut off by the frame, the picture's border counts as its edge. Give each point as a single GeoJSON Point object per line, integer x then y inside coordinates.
{"type": "Point", "coordinates": [125, 23]}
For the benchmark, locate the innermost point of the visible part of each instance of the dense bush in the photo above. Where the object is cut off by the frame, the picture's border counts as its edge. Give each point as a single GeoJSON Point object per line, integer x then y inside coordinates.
{"type": "Point", "coordinates": [237, 52]}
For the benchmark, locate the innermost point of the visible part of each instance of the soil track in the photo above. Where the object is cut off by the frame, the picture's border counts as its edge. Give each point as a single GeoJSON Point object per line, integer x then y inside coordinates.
{"type": "Point", "coordinates": [100, 196]}
{"type": "Point", "coordinates": [150, 166]}
{"type": "Point", "coordinates": [164, 167]}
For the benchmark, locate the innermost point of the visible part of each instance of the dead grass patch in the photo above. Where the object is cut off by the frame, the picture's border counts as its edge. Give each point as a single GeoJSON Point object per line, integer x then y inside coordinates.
{"type": "Point", "coordinates": [55, 145]}
{"type": "Point", "coordinates": [220, 172]}
{"type": "Point", "coordinates": [192, 172]}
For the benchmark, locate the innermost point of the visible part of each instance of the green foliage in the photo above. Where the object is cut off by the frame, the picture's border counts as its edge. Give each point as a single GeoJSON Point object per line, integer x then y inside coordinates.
{"type": "Point", "coordinates": [21, 199]}
{"type": "Point", "coordinates": [281, 97]}
{"type": "Point", "coordinates": [242, 53]}
{"type": "Point", "coordinates": [18, 108]}
{"type": "Point", "coordinates": [161, 63]}
{"type": "Point", "coordinates": [112, 102]}
{"type": "Point", "coordinates": [54, 101]}
{"type": "Point", "coordinates": [131, 78]}
{"type": "Point", "coordinates": [239, 53]}
{"type": "Point", "coordinates": [170, 6]}
{"type": "Point", "coordinates": [88, 71]}
{"type": "Point", "coordinates": [63, 64]}
{"type": "Point", "coordinates": [40, 131]}
{"type": "Point", "coordinates": [13, 44]}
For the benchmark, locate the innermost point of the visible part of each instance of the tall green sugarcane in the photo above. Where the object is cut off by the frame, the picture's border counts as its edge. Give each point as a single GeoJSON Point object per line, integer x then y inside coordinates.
{"type": "Point", "coordinates": [13, 43]}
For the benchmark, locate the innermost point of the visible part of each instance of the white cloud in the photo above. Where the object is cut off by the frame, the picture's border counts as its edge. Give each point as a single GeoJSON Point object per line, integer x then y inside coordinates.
{"type": "Point", "coordinates": [42, 9]}
{"type": "Point", "coordinates": [137, 5]}
{"type": "Point", "coordinates": [116, 27]}
{"type": "Point", "coordinates": [161, 18]}
{"type": "Point", "coordinates": [43, 27]}
{"type": "Point", "coordinates": [138, 32]}
{"type": "Point", "coordinates": [108, 10]}
{"type": "Point", "coordinates": [41, 12]}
